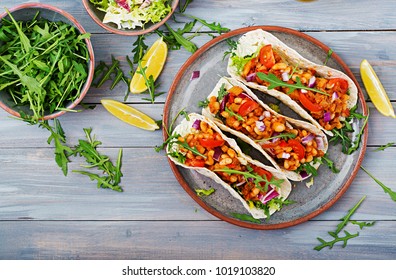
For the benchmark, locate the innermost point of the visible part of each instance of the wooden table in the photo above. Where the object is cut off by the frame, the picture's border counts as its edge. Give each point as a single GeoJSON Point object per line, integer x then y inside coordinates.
{"type": "Point", "coordinates": [45, 215]}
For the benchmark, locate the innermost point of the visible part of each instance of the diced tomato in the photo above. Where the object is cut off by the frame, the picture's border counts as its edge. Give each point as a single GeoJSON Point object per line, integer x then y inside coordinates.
{"type": "Point", "coordinates": [210, 143]}
{"type": "Point", "coordinates": [338, 85]}
{"type": "Point", "coordinates": [195, 162]}
{"type": "Point", "coordinates": [247, 107]}
{"type": "Point", "coordinates": [297, 147]}
{"type": "Point", "coordinates": [308, 104]}
{"type": "Point", "coordinates": [261, 172]}
{"type": "Point", "coordinates": [269, 145]}
{"type": "Point", "coordinates": [266, 56]}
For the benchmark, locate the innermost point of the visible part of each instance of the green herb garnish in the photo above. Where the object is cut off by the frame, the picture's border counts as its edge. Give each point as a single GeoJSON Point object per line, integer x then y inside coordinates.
{"type": "Point", "coordinates": [329, 54]}
{"type": "Point", "coordinates": [256, 179]}
{"type": "Point", "coordinates": [383, 147]}
{"type": "Point", "coordinates": [150, 83]}
{"type": "Point", "coordinates": [341, 135]}
{"type": "Point", "coordinates": [112, 173]}
{"type": "Point", "coordinates": [232, 47]}
{"type": "Point", "coordinates": [214, 26]}
{"type": "Point", "coordinates": [62, 151]}
{"type": "Point", "coordinates": [178, 40]}
{"type": "Point", "coordinates": [139, 49]}
{"type": "Point", "coordinates": [387, 190]}
{"type": "Point", "coordinates": [245, 217]}
{"type": "Point", "coordinates": [44, 64]}
{"type": "Point", "coordinates": [275, 82]}
{"type": "Point", "coordinates": [204, 192]}
{"type": "Point", "coordinates": [285, 136]}
{"type": "Point", "coordinates": [232, 114]}
{"type": "Point", "coordinates": [335, 234]}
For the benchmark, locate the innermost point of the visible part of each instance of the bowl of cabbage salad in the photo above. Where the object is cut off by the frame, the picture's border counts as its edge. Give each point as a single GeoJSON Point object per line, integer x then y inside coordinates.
{"type": "Point", "coordinates": [130, 17]}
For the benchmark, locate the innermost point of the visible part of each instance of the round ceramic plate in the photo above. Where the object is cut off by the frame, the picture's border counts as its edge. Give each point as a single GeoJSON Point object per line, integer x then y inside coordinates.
{"type": "Point", "coordinates": [328, 187]}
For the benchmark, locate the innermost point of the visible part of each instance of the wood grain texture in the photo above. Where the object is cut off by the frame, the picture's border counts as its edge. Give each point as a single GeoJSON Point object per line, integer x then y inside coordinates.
{"type": "Point", "coordinates": [187, 240]}
{"type": "Point", "coordinates": [45, 215]}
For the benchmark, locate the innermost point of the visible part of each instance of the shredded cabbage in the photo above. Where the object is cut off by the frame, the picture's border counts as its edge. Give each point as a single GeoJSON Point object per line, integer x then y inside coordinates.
{"type": "Point", "coordinates": [130, 14]}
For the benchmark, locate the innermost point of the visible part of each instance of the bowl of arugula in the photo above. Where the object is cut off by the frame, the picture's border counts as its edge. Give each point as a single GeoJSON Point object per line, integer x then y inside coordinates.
{"type": "Point", "coordinates": [130, 17]}
{"type": "Point", "coordinates": [46, 61]}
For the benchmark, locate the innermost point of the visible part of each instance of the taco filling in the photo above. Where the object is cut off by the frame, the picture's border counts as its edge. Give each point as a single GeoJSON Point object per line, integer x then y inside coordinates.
{"type": "Point", "coordinates": [327, 102]}
{"type": "Point", "coordinates": [291, 147]}
{"type": "Point", "coordinates": [202, 147]}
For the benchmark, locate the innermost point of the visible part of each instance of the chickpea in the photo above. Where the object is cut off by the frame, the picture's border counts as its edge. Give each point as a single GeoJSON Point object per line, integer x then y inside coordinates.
{"type": "Point", "coordinates": [254, 192]}
{"type": "Point", "coordinates": [286, 164]}
{"type": "Point", "coordinates": [209, 161]}
{"type": "Point", "coordinates": [238, 100]}
{"type": "Point", "coordinates": [278, 127]}
{"type": "Point", "coordinates": [236, 124]}
{"type": "Point", "coordinates": [233, 178]}
{"type": "Point", "coordinates": [231, 153]}
{"type": "Point", "coordinates": [225, 161]}
{"type": "Point", "coordinates": [279, 66]}
{"type": "Point", "coordinates": [224, 148]}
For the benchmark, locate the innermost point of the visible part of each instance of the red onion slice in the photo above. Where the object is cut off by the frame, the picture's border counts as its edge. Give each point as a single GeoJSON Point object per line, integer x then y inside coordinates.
{"type": "Point", "coordinates": [195, 75]}
{"type": "Point", "coordinates": [285, 77]}
{"type": "Point", "coordinates": [334, 96]}
{"type": "Point", "coordinates": [327, 117]}
{"type": "Point", "coordinates": [197, 124]}
{"type": "Point", "coordinates": [271, 194]}
{"type": "Point", "coordinates": [217, 153]}
{"type": "Point", "coordinates": [312, 82]}
{"type": "Point", "coordinates": [260, 125]}
{"type": "Point", "coordinates": [224, 102]}
{"type": "Point", "coordinates": [251, 77]}
{"type": "Point", "coordinates": [307, 138]}
{"type": "Point", "coordinates": [319, 142]}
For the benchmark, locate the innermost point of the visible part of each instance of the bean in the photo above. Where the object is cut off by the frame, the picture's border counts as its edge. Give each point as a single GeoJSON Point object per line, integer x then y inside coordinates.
{"type": "Point", "coordinates": [231, 153]}
{"type": "Point", "coordinates": [225, 161]}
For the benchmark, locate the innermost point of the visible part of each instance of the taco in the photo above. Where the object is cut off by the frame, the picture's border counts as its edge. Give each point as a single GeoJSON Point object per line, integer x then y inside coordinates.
{"type": "Point", "coordinates": [198, 144]}
{"type": "Point", "coordinates": [319, 94]}
{"type": "Point", "coordinates": [293, 146]}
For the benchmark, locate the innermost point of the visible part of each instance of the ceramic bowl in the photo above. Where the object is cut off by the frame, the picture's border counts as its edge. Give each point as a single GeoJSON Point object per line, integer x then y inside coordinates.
{"type": "Point", "coordinates": [26, 12]}
{"type": "Point", "coordinates": [98, 16]}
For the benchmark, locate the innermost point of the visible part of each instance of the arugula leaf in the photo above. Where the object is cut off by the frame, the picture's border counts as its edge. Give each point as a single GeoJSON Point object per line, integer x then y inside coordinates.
{"type": "Point", "coordinates": [347, 217]}
{"type": "Point", "coordinates": [363, 224]}
{"type": "Point", "coordinates": [274, 82]}
{"type": "Point", "coordinates": [232, 114]}
{"type": "Point", "coordinates": [204, 192]}
{"type": "Point", "coordinates": [203, 103]}
{"type": "Point", "coordinates": [178, 37]}
{"type": "Point", "coordinates": [214, 26]}
{"type": "Point", "coordinates": [245, 217]}
{"type": "Point", "coordinates": [329, 163]}
{"type": "Point", "coordinates": [232, 47]}
{"type": "Point", "coordinates": [341, 135]}
{"type": "Point", "coordinates": [285, 136]}
{"type": "Point", "coordinates": [335, 234]}
{"type": "Point", "coordinates": [112, 173]}
{"type": "Point", "coordinates": [183, 6]}
{"type": "Point", "coordinates": [329, 54]}
{"type": "Point", "coordinates": [336, 239]}
{"type": "Point", "coordinates": [387, 190]}
{"type": "Point", "coordinates": [140, 48]}
{"type": "Point", "coordinates": [62, 151]}
{"type": "Point", "coordinates": [150, 83]}
{"type": "Point", "coordinates": [257, 179]}
{"type": "Point", "coordinates": [222, 92]}
{"type": "Point", "coordinates": [383, 147]}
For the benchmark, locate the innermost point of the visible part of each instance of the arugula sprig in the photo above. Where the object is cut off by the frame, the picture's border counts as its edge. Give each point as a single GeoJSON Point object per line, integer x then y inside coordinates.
{"type": "Point", "coordinates": [62, 151]}
{"type": "Point", "coordinates": [347, 236]}
{"type": "Point", "coordinates": [275, 82]}
{"type": "Point", "coordinates": [285, 136]}
{"type": "Point", "coordinates": [112, 173]}
{"type": "Point", "coordinates": [342, 134]}
{"type": "Point", "coordinates": [214, 26]}
{"type": "Point", "coordinates": [150, 83]}
{"type": "Point", "coordinates": [386, 189]}
{"type": "Point", "coordinates": [205, 192]}
{"type": "Point", "coordinates": [383, 147]}
{"type": "Point", "coordinates": [258, 180]}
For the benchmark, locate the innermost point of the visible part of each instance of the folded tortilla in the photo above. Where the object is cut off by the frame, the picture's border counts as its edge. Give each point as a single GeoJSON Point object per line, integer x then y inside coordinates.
{"type": "Point", "coordinates": [251, 42]}
{"type": "Point", "coordinates": [228, 83]}
{"type": "Point", "coordinates": [186, 127]}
